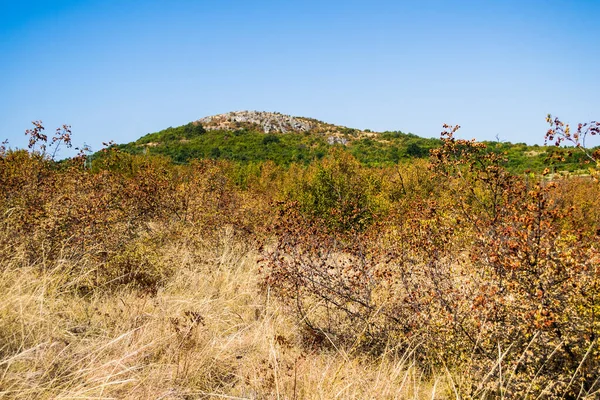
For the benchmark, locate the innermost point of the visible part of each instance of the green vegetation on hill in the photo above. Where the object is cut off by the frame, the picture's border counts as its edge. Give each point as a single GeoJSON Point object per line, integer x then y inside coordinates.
{"type": "Point", "coordinates": [247, 143]}
{"type": "Point", "coordinates": [188, 142]}
{"type": "Point", "coordinates": [391, 147]}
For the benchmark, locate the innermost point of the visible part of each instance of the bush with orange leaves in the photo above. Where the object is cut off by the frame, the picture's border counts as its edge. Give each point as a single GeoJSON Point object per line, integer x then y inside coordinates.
{"type": "Point", "coordinates": [115, 214]}
{"type": "Point", "coordinates": [494, 271]}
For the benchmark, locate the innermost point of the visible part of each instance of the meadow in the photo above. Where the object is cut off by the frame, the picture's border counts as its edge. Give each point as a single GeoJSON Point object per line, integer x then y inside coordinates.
{"type": "Point", "coordinates": [449, 277]}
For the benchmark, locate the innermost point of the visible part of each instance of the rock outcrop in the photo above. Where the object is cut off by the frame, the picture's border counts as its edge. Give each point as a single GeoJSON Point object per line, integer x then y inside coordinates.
{"type": "Point", "coordinates": [274, 122]}
{"type": "Point", "coordinates": [268, 122]}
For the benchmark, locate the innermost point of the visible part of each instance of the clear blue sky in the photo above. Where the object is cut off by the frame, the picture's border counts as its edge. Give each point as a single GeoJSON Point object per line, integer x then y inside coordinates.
{"type": "Point", "coordinates": [120, 69]}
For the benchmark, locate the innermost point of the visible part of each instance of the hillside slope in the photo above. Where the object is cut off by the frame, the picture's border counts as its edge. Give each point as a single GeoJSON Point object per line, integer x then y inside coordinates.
{"type": "Point", "coordinates": [257, 136]}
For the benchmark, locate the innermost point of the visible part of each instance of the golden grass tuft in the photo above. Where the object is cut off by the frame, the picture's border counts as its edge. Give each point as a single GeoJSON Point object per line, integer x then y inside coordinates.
{"type": "Point", "coordinates": [210, 332]}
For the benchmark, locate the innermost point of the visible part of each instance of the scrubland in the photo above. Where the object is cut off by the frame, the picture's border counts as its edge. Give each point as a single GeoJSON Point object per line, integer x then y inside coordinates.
{"type": "Point", "coordinates": [447, 278]}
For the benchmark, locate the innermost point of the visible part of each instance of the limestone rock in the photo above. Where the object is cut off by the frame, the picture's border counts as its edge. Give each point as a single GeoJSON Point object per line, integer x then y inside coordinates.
{"type": "Point", "coordinates": [269, 122]}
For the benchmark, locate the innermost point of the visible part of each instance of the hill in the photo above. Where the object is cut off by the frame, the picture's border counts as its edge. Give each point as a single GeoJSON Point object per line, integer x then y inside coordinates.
{"type": "Point", "coordinates": [257, 136]}
{"type": "Point", "coordinates": [447, 278]}
{"type": "Point", "coordinates": [250, 136]}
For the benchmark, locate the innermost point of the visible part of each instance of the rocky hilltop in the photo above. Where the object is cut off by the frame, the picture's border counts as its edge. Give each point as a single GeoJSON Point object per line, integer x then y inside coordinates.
{"type": "Point", "coordinates": [274, 122]}
{"type": "Point", "coordinates": [267, 121]}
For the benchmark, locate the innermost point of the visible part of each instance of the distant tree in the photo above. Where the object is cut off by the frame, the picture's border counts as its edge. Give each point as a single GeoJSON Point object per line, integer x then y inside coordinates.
{"type": "Point", "coordinates": [215, 152]}
{"type": "Point", "coordinates": [414, 150]}
{"type": "Point", "coordinates": [270, 138]}
{"type": "Point", "coordinates": [193, 129]}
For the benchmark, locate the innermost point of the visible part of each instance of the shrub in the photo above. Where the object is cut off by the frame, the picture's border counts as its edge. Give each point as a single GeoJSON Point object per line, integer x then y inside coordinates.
{"type": "Point", "coordinates": [339, 192]}
{"type": "Point", "coordinates": [493, 273]}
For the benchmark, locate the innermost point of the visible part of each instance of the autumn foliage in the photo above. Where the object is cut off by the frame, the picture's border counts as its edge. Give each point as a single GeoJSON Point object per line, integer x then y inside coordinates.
{"type": "Point", "coordinates": [478, 271]}
{"type": "Point", "coordinates": [489, 270]}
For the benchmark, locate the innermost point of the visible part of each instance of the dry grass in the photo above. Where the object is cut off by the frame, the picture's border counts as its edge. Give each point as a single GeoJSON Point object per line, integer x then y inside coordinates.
{"type": "Point", "coordinates": [124, 281]}
{"type": "Point", "coordinates": [209, 333]}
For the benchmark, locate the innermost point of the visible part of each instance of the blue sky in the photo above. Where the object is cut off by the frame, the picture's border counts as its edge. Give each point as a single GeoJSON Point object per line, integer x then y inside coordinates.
{"type": "Point", "coordinates": [116, 70]}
